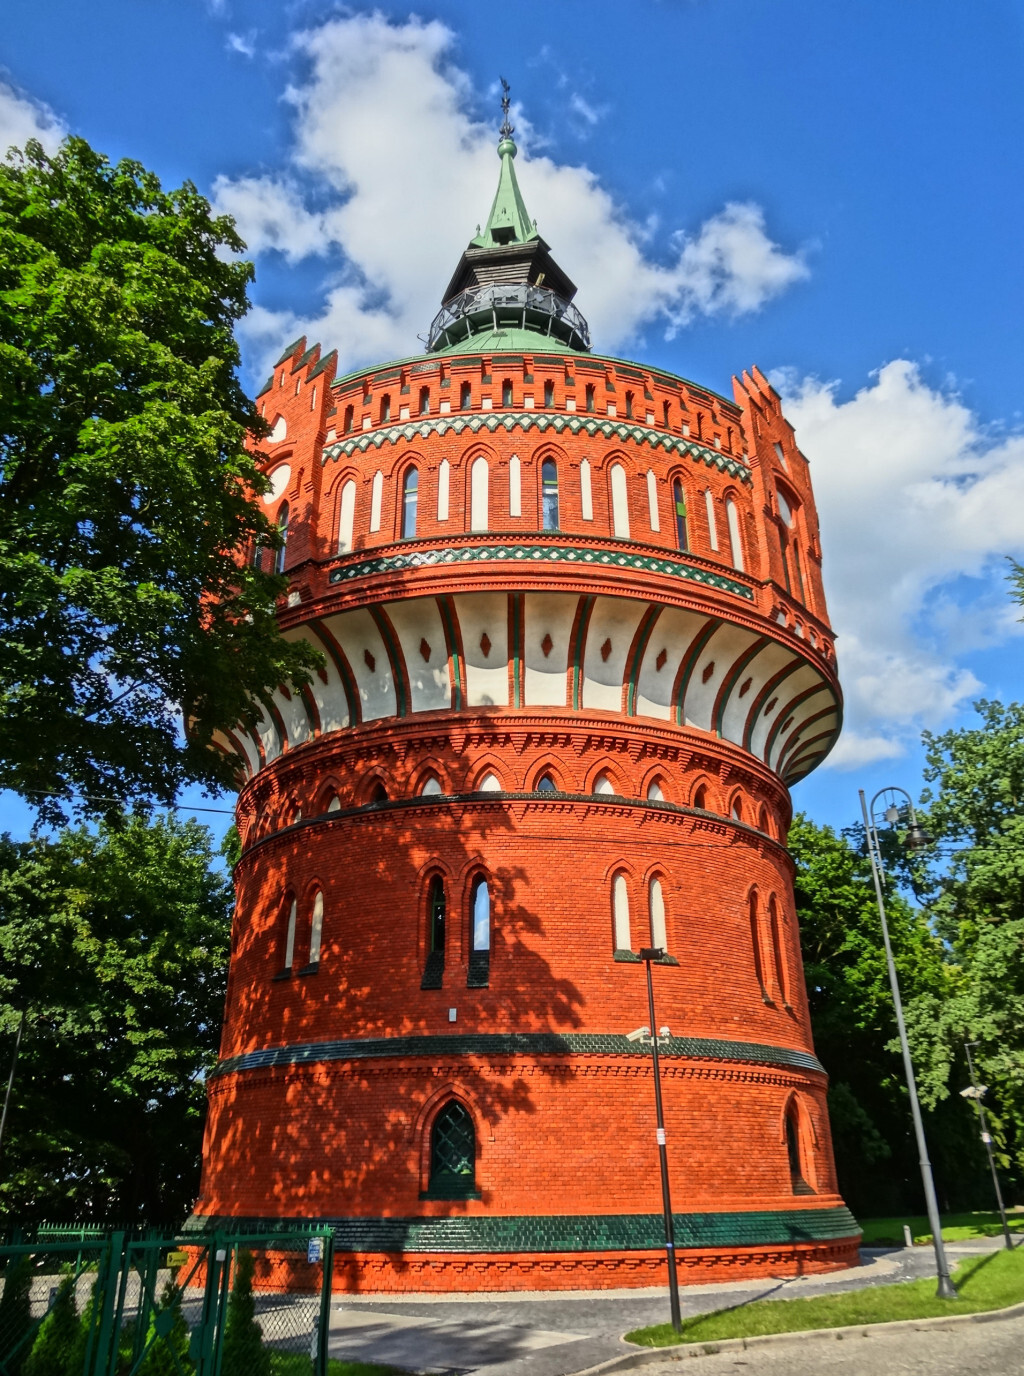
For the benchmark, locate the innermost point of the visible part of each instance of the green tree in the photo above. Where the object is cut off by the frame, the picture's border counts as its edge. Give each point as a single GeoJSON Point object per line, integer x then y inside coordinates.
{"type": "Point", "coordinates": [116, 941]}
{"type": "Point", "coordinates": [167, 1339]}
{"type": "Point", "coordinates": [854, 1022]}
{"type": "Point", "coordinates": [58, 1336]}
{"type": "Point", "coordinates": [243, 1352]}
{"type": "Point", "coordinates": [975, 805]}
{"type": "Point", "coordinates": [126, 517]}
{"type": "Point", "coordinates": [16, 1314]}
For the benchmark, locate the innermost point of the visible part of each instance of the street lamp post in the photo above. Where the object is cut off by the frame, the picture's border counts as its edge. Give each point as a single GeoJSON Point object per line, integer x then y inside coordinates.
{"type": "Point", "coordinates": [916, 838]}
{"type": "Point", "coordinates": [976, 1092]}
{"type": "Point", "coordinates": [647, 955]}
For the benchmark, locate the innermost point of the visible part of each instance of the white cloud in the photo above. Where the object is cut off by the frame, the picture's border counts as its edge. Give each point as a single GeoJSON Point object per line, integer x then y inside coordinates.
{"type": "Point", "coordinates": [918, 508]}
{"type": "Point", "coordinates": [587, 112]}
{"type": "Point", "coordinates": [244, 44]}
{"type": "Point", "coordinates": [383, 131]}
{"type": "Point", "coordinates": [22, 118]}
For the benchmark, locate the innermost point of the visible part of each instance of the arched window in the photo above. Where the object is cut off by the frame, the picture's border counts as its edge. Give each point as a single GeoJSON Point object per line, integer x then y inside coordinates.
{"type": "Point", "coordinates": [490, 783]}
{"type": "Point", "coordinates": [549, 393]}
{"type": "Point", "coordinates": [679, 504]}
{"type": "Point", "coordinates": [335, 804]}
{"type": "Point", "coordinates": [629, 405]}
{"type": "Point", "coordinates": [444, 469]}
{"type": "Point", "coordinates": [590, 396]}
{"type": "Point", "coordinates": [431, 787]}
{"type": "Point", "coordinates": [620, 503]}
{"type": "Point", "coordinates": [282, 525]}
{"type": "Point", "coordinates": [762, 821]}
{"type": "Point", "coordinates": [424, 401]}
{"type": "Point", "coordinates": [549, 494]}
{"type": "Point", "coordinates": [620, 914]}
{"type": "Point", "coordinates": [452, 1154]}
{"type": "Point", "coordinates": [410, 495]}
{"type": "Point", "coordinates": [778, 953]}
{"type": "Point", "coordinates": [346, 516]}
{"type": "Point", "coordinates": [709, 506]}
{"type": "Point", "coordinates": [478, 974]}
{"type": "Point", "coordinates": [755, 945]}
{"type": "Point", "coordinates": [652, 500]}
{"type": "Point", "coordinates": [798, 1183]}
{"type": "Point", "coordinates": [586, 491]}
{"type": "Point", "coordinates": [799, 572]}
{"type": "Point", "coordinates": [506, 392]}
{"type": "Point", "coordinates": [659, 935]}
{"type": "Point", "coordinates": [602, 784]}
{"type": "Point", "coordinates": [546, 784]}
{"type": "Point", "coordinates": [289, 935]}
{"type": "Point", "coordinates": [515, 486]}
{"type": "Point", "coordinates": [465, 396]}
{"type": "Point", "coordinates": [736, 811]}
{"type": "Point", "coordinates": [379, 793]}
{"type": "Point", "coordinates": [735, 545]}
{"type": "Point", "coordinates": [385, 407]}
{"type": "Point", "coordinates": [346, 424]}
{"type": "Point", "coordinates": [666, 415]}
{"type": "Point", "coordinates": [655, 792]}
{"type": "Point", "coordinates": [437, 910]}
{"type": "Point", "coordinates": [700, 798]}
{"type": "Point", "coordinates": [376, 497]}
{"type": "Point", "coordinates": [478, 494]}
{"type": "Point", "coordinates": [316, 929]}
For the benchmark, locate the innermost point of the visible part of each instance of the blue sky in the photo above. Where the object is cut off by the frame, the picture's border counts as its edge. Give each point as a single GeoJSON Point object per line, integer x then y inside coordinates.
{"type": "Point", "coordinates": [831, 191]}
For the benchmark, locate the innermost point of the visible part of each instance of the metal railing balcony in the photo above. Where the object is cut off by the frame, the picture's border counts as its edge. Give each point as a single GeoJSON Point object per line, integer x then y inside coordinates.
{"type": "Point", "coordinates": [517, 305]}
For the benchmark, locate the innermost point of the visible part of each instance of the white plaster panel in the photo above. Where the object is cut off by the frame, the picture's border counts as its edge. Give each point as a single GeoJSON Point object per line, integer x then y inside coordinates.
{"type": "Point", "coordinates": [722, 650]}
{"type": "Point", "coordinates": [817, 702]}
{"type": "Point", "coordinates": [765, 663]}
{"type": "Point", "coordinates": [586, 491]}
{"type": "Point", "coordinates": [787, 690]}
{"type": "Point", "coordinates": [416, 620]}
{"type": "Point", "coordinates": [250, 757]}
{"type": "Point", "coordinates": [614, 619]}
{"type": "Point", "coordinates": [356, 632]}
{"type": "Point", "coordinates": [515, 486]}
{"type": "Point", "coordinates": [267, 732]}
{"type": "Point", "coordinates": [547, 614]}
{"type": "Point", "coordinates": [673, 632]}
{"type": "Point", "coordinates": [279, 478]}
{"type": "Point", "coordinates": [443, 479]}
{"type": "Point", "coordinates": [329, 697]}
{"type": "Point", "coordinates": [486, 675]}
{"type": "Point", "coordinates": [813, 729]}
{"type": "Point", "coordinates": [293, 714]}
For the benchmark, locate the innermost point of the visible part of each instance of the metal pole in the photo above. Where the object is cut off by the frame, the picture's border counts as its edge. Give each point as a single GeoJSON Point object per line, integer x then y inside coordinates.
{"type": "Point", "coordinates": [10, 1080]}
{"type": "Point", "coordinates": [986, 1137]}
{"type": "Point", "coordinates": [946, 1290]}
{"type": "Point", "coordinates": [666, 1199]}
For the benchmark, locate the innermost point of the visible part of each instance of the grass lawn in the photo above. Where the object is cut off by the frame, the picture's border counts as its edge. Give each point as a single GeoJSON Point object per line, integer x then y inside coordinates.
{"type": "Point", "coordinates": [988, 1282]}
{"type": "Point", "coordinates": [295, 1364]}
{"type": "Point", "coordinates": [955, 1228]}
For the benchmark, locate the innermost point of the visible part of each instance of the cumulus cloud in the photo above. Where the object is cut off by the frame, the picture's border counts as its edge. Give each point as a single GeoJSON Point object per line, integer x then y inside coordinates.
{"type": "Point", "coordinates": [918, 508]}
{"type": "Point", "coordinates": [383, 136]}
{"type": "Point", "coordinates": [22, 118]}
{"type": "Point", "coordinates": [242, 43]}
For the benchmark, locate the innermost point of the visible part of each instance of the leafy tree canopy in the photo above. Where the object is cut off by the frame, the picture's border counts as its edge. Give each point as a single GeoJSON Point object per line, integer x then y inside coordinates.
{"type": "Point", "coordinates": [115, 941]}
{"type": "Point", "coordinates": [125, 511]}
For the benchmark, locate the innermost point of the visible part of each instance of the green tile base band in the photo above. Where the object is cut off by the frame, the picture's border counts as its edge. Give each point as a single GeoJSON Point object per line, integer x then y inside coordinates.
{"type": "Point", "coordinates": [560, 1232]}
{"type": "Point", "coordinates": [515, 1044]}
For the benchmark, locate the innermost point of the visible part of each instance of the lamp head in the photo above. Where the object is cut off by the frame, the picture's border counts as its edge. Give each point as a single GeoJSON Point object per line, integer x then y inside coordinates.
{"type": "Point", "coordinates": [651, 953]}
{"type": "Point", "coordinates": [917, 837]}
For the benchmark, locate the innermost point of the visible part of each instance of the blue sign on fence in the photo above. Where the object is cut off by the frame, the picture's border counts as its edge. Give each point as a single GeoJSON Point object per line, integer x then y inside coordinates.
{"type": "Point", "coordinates": [315, 1249]}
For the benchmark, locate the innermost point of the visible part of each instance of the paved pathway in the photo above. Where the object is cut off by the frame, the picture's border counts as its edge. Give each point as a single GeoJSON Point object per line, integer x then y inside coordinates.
{"type": "Point", "coordinates": [553, 1333]}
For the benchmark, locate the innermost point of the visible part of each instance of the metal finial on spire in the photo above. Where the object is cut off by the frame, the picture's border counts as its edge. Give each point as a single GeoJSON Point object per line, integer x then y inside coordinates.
{"type": "Point", "coordinates": [507, 130]}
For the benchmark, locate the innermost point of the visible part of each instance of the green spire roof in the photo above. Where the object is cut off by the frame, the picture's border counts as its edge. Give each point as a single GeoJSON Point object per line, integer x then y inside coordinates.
{"type": "Point", "coordinates": [508, 222]}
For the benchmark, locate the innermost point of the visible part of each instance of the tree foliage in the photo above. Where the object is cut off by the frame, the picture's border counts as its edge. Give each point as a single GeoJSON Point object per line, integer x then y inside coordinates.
{"type": "Point", "coordinates": [125, 487]}
{"type": "Point", "coordinates": [244, 1353]}
{"type": "Point", "coordinates": [116, 942]}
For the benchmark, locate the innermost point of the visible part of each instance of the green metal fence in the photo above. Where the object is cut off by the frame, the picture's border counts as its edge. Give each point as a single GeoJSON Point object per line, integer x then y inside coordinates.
{"type": "Point", "coordinates": [77, 1302]}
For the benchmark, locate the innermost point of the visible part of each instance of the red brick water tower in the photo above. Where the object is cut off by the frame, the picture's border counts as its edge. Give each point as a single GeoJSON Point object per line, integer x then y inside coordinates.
{"type": "Point", "coordinates": [575, 650]}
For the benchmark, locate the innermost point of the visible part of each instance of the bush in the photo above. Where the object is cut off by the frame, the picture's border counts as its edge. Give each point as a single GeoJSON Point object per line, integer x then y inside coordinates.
{"type": "Point", "coordinates": [16, 1314]}
{"type": "Point", "coordinates": [243, 1352]}
{"type": "Point", "coordinates": [58, 1337]}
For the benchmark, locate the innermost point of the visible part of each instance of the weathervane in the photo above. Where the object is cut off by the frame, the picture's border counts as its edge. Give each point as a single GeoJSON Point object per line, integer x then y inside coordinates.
{"type": "Point", "coordinates": [507, 130]}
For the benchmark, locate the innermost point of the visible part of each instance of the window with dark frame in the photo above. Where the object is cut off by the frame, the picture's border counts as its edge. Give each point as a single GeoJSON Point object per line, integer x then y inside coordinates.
{"type": "Point", "coordinates": [410, 496]}
{"type": "Point", "coordinates": [437, 909]}
{"type": "Point", "coordinates": [452, 1154]}
{"type": "Point", "coordinates": [549, 494]}
{"type": "Point", "coordinates": [479, 972]}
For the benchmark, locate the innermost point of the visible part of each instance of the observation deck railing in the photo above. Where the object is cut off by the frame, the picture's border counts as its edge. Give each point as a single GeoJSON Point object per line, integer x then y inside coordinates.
{"type": "Point", "coordinates": [516, 305]}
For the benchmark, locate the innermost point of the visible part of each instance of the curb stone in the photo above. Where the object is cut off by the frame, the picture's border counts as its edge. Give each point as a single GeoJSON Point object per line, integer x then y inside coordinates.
{"type": "Point", "coordinates": [680, 1353]}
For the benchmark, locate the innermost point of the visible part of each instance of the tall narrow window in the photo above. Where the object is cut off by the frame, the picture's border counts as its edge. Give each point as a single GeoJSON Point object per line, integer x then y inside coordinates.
{"type": "Point", "coordinates": [346, 424]}
{"type": "Point", "coordinates": [465, 396]}
{"type": "Point", "coordinates": [799, 572]}
{"type": "Point", "coordinates": [515, 486]}
{"type": "Point", "coordinates": [549, 393]}
{"type": "Point", "coordinates": [755, 945]}
{"type": "Point", "coordinates": [629, 405]}
{"type": "Point", "coordinates": [659, 935]}
{"type": "Point", "coordinates": [549, 494]}
{"type": "Point", "coordinates": [289, 935]}
{"type": "Point", "coordinates": [478, 494]}
{"type": "Point", "coordinates": [282, 526]}
{"type": "Point", "coordinates": [424, 401]}
{"type": "Point", "coordinates": [620, 914]}
{"type": "Point", "coordinates": [679, 503]}
{"type": "Point", "coordinates": [709, 506]}
{"type": "Point", "coordinates": [410, 494]}
{"type": "Point", "coordinates": [385, 407]}
{"type": "Point", "coordinates": [444, 470]}
{"type": "Point", "coordinates": [620, 503]}
{"type": "Point", "coordinates": [797, 1181]}
{"type": "Point", "coordinates": [735, 544]}
{"type": "Point", "coordinates": [452, 1154]}
{"type": "Point", "coordinates": [778, 953]}
{"type": "Point", "coordinates": [666, 415]}
{"type": "Point", "coordinates": [316, 929]}
{"type": "Point", "coordinates": [480, 934]}
{"type": "Point", "coordinates": [506, 392]}
{"type": "Point", "coordinates": [346, 517]}
{"type": "Point", "coordinates": [586, 491]}
{"type": "Point", "coordinates": [590, 396]}
{"type": "Point", "coordinates": [437, 910]}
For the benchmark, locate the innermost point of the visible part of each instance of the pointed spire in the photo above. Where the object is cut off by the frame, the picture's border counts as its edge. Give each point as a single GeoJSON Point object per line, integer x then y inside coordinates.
{"type": "Point", "coordinates": [508, 222]}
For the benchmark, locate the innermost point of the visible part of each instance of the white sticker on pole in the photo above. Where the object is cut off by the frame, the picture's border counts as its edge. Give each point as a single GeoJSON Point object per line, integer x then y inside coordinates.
{"type": "Point", "coordinates": [315, 1250]}
{"type": "Point", "coordinates": [661, 1137]}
